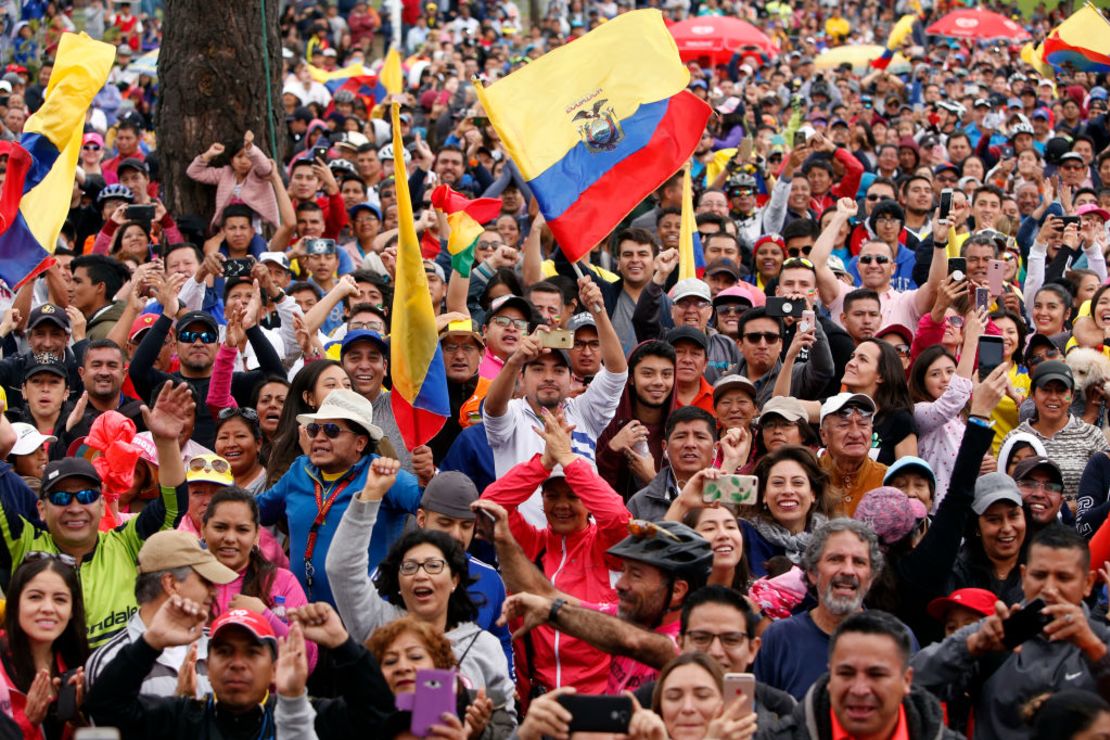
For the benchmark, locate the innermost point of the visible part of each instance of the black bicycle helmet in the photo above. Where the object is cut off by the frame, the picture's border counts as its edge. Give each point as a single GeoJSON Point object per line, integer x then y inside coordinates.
{"type": "Point", "coordinates": [671, 547]}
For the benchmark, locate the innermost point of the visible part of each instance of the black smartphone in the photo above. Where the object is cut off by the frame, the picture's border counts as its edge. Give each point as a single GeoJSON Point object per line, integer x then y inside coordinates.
{"type": "Point", "coordinates": [799, 139]}
{"type": "Point", "coordinates": [320, 152]}
{"type": "Point", "coordinates": [1024, 624]}
{"type": "Point", "coordinates": [1065, 221]}
{"type": "Point", "coordinates": [67, 698]}
{"type": "Point", "coordinates": [480, 121]}
{"type": "Point", "coordinates": [483, 524]}
{"type": "Point", "coordinates": [592, 713]}
{"type": "Point", "coordinates": [779, 307]}
{"type": "Point", "coordinates": [990, 354]}
{"type": "Point", "coordinates": [957, 264]}
{"type": "Point", "coordinates": [945, 202]}
{"type": "Point", "coordinates": [238, 268]}
{"type": "Point", "coordinates": [144, 214]}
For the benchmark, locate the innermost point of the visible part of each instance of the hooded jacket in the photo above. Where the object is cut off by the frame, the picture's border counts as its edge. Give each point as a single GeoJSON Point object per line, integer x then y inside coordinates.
{"type": "Point", "coordinates": [576, 564]}
{"type": "Point", "coordinates": [812, 717]}
{"type": "Point", "coordinates": [612, 465]}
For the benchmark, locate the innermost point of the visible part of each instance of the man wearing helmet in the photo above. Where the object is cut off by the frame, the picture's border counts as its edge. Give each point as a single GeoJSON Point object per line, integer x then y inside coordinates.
{"type": "Point", "coordinates": [660, 564]}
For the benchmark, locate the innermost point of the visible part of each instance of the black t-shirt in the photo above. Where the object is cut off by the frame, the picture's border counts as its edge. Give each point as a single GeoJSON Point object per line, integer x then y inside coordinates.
{"type": "Point", "coordinates": [892, 427]}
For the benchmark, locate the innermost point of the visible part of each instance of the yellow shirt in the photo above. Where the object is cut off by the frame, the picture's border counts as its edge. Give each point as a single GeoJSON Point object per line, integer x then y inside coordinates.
{"type": "Point", "coordinates": [1005, 414]}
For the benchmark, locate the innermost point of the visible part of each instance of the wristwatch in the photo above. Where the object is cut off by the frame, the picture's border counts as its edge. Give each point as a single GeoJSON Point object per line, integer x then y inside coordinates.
{"type": "Point", "coordinates": [556, 605]}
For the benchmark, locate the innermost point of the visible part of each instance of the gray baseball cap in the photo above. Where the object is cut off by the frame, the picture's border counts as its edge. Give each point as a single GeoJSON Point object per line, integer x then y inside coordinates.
{"type": "Point", "coordinates": [994, 487]}
{"type": "Point", "coordinates": [450, 493]}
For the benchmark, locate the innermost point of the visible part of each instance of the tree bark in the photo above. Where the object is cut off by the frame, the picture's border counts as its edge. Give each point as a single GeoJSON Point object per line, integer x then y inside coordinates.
{"type": "Point", "coordinates": [213, 89]}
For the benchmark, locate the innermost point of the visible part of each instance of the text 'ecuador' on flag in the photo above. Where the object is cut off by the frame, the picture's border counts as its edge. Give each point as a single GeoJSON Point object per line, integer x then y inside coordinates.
{"type": "Point", "coordinates": [38, 187]}
{"type": "Point", "coordinates": [419, 398]}
{"type": "Point", "coordinates": [597, 125]}
{"type": "Point", "coordinates": [465, 218]}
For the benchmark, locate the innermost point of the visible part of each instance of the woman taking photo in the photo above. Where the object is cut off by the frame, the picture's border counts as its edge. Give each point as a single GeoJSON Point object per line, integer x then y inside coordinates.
{"type": "Point", "coordinates": [719, 526]}
{"type": "Point", "coordinates": [689, 698]}
{"type": "Point", "coordinates": [875, 370]}
{"type": "Point", "coordinates": [232, 534]}
{"type": "Point", "coordinates": [791, 504]}
{"type": "Point", "coordinates": [407, 645]}
{"type": "Point", "coordinates": [940, 387]}
{"type": "Point", "coordinates": [44, 637]}
{"type": "Point", "coordinates": [425, 575]}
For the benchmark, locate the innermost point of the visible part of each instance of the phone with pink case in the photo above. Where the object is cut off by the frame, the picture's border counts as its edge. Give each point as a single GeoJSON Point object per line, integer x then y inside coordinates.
{"type": "Point", "coordinates": [433, 697]}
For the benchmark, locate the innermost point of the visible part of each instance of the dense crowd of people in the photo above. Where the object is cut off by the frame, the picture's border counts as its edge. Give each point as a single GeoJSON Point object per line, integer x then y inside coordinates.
{"type": "Point", "coordinates": [851, 481]}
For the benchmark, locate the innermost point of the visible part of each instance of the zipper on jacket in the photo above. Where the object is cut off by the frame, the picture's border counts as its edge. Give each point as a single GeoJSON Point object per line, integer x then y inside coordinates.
{"type": "Point", "coordinates": [558, 634]}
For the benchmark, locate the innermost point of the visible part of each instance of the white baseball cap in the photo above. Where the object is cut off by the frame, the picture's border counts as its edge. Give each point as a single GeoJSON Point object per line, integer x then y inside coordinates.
{"type": "Point", "coordinates": [690, 287]}
{"type": "Point", "coordinates": [28, 439]}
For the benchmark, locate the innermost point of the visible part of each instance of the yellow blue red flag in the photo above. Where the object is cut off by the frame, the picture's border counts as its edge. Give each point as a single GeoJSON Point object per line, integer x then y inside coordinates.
{"type": "Point", "coordinates": [392, 76]}
{"type": "Point", "coordinates": [419, 398]}
{"type": "Point", "coordinates": [1083, 41]}
{"type": "Point", "coordinates": [597, 125]}
{"type": "Point", "coordinates": [38, 187]}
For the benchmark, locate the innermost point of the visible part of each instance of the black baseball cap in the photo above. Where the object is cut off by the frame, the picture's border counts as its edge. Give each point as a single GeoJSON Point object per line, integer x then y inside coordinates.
{"type": "Point", "coordinates": [68, 467]}
{"type": "Point", "coordinates": [133, 163]}
{"type": "Point", "coordinates": [51, 313]}
{"type": "Point", "coordinates": [1050, 370]}
{"type": "Point", "coordinates": [44, 362]}
{"type": "Point", "coordinates": [194, 317]}
{"type": "Point", "coordinates": [687, 333]}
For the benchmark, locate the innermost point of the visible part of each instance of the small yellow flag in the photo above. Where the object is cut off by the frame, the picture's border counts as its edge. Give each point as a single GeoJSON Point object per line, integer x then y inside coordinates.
{"type": "Point", "coordinates": [392, 76]}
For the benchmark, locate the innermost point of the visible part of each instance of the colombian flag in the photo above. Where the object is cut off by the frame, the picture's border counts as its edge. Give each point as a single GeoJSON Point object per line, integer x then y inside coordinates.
{"type": "Point", "coordinates": [367, 88]}
{"type": "Point", "coordinates": [34, 202]}
{"type": "Point", "coordinates": [597, 125]}
{"type": "Point", "coordinates": [691, 258]}
{"type": "Point", "coordinates": [419, 398]}
{"type": "Point", "coordinates": [465, 217]}
{"type": "Point", "coordinates": [1083, 41]}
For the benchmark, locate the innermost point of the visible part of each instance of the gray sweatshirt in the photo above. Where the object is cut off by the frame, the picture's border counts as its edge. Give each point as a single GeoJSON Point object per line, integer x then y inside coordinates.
{"type": "Point", "coordinates": [363, 609]}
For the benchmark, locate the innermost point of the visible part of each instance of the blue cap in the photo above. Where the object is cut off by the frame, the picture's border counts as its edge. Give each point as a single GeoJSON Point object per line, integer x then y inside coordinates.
{"type": "Point", "coordinates": [910, 463]}
{"type": "Point", "coordinates": [364, 207]}
{"type": "Point", "coordinates": [1099, 93]}
{"type": "Point", "coordinates": [699, 83]}
{"type": "Point", "coordinates": [360, 335]}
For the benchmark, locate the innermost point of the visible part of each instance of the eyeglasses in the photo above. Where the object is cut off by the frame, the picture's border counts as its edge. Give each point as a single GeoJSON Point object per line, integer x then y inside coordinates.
{"type": "Point", "coordinates": [777, 422]}
{"type": "Point", "coordinates": [216, 465]}
{"type": "Point", "coordinates": [1009, 256]}
{"type": "Point", "coordinates": [1034, 360]}
{"type": "Point", "coordinates": [369, 325]}
{"type": "Point", "coordinates": [1030, 486]}
{"type": "Point", "coordinates": [331, 430]}
{"type": "Point", "coordinates": [692, 303]}
{"type": "Point", "coordinates": [796, 251]}
{"type": "Point", "coordinates": [702, 639]}
{"type": "Point", "coordinates": [467, 347]}
{"type": "Point", "coordinates": [591, 344]}
{"type": "Point", "coordinates": [490, 245]}
{"type": "Point", "coordinates": [887, 219]}
{"type": "Point", "coordinates": [796, 261]}
{"type": "Point", "coordinates": [844, 416]}
{"type": "Point", "coordinates": [956, 322]}
{"type": "Point", "coordinates": [431, 566]}
{"type": "Point", "coordinates": [242, 411]}
{"type": "Point", "coordinates": [84, 497]}
{"type": "Point", "coordinates": [755, 337]}
{"type": "Point", "coordinates": [733, 310]}
{"type": "Point", "coordinates": [61, 557]}
{"type": "Point", "coordinates": [188, 336]}
{"type": "Point", "coordinates": [902, 350]}
{"type": "Point", "coordinates": [505, 322]}
{"type": "Point", "coordinates": [867, 259]}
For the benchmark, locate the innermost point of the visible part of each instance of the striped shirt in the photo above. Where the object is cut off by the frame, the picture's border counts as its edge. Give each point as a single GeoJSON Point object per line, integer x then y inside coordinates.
{"type": "Point", "coordinates": [162, 679]}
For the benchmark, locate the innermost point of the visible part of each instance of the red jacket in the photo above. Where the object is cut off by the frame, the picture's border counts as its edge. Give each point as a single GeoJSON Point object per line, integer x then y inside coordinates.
{"type": "Point", "coordinates": [575, 564]}
{"type": "Point", "coordinates": [18, 703]}
{"type": "Point", "coordinates": [846, 187]}
{"type": "Point", "coordinates": [335, 214]}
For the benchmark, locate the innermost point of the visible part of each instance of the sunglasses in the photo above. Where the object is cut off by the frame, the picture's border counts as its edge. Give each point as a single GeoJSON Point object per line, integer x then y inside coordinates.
{"type": "Point", "coordinates": [956, 322]}
{"type": "Point", "coordinates": [796, 252]}
{"type": "Point", "coordinates": [61, 557]}
{"type": "Point", "coordinates": [880, 259]}
{"type": "Point", "coordinates": [218, 465]}
{"type": "Point", "coordinates": [505, 322]}
{"type": "Point", "coordinates": [84, 497]}
{"type": "Point", "coordinates": [91, 147]}
{"type": "Point", "coordinates": [902, 350]}
{"type": "Point", "coordinates": [1034, 360]}
{"type": "Point", "coordinates": [189, 336]}
{"type": "Point", "coordinates": [755, 337]}
{"type": "Point", "coordinates": [331, 430]}
{"type": "Point", "coordinates": [873, 197]}
{"type": "Point", "coordinates": [247, 413]}
{"type": "Point", "coordinates": [733, 310]}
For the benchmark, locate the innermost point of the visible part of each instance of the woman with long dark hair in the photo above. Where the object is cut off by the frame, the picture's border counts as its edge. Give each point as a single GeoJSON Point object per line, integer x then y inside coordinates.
{"type": "Point", "coordinates": [44, 638]}
{"type": "Point", "coordinates": [231, 533]}
{"type": "Point", "coordinates": [308, 390]}
{"type": "Point", "coordinates": [875, 370]}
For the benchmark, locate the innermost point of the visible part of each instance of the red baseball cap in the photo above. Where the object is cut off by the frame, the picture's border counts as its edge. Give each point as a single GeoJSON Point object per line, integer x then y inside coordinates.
{"type": "Point", "coordinates": [254, 623]}
{"type": "Point", "coordinates": [976, 599]}
{"type": "Point", "coordinates": [142, 323]}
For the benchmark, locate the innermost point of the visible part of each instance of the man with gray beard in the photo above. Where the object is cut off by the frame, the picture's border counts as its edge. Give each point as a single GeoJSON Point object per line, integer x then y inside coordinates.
{"type": "Point", "coordinates": [841, 561]}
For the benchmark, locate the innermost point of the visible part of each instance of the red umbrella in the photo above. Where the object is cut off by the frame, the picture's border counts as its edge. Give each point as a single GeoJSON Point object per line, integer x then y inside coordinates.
{"type": "Point", "coordinates": [976, 23]}
{"type": "Point", "coordinates": [715, 38]}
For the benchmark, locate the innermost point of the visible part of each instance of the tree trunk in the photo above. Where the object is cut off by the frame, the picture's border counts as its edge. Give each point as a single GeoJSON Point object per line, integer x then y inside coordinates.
{"type": "Point", "coordinates": [213, 89]}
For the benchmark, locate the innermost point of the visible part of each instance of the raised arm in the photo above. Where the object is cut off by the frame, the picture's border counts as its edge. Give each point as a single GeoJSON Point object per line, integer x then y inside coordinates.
{"type": "Point", "coordinates": [828, 285]}
{"type": "Point", "coordinates": [926, 295]}
{"type": "Point", "coordinates": [501, 389]}
{"type": "Point", "coordinates": [590, 298]}
{"type": "Point", "coordinates": [533, 252]}
{"type": "Point", "coordinates": [318, 314]}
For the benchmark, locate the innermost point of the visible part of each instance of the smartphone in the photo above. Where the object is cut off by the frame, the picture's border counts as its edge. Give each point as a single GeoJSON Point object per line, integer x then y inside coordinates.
{"type": "Point", "coordinates": [139, 213]}
{"type": "Point", "coordinates": [744, 151]}
{"type": "Point", "coordinates": [596, 713]}
{"type": "Point", "coordinates": [945, 202]}
{"type": "Point", "coordinates": [740, 490]}
{"type": "Point", "coordinates": [434, 696]}
{"type": "Point", "coordinates": [799, 139]}
{"type": "Point", "coordinates": [66, 706]}
{"type": "Point", "coordinates": [1066, 221]}
{"type": "Point", "coordinates": [238, 268]}
{"type": "Point", "coordinates": [990, 354]}
{"type": "Point", "coordinates": [957, 267]}
{"type": "Point", "coordinates": [480, 121]}
{"type": "Point", "coordinates": [739, 684]}
{"type": "Point", "coordinates": [809, 321]}
{"type": "Point", "coordinates": [320, 152]}
{"type": "Point", "coordinates": [996, 277]}
{"type": "Point", "coordinates": [983, 298]}
{"type": "Point", "coordinates": [1024, 624]}
{"type": "Point", "coordinates": [483, 524]}
{"type": "Point", "coordinates": [558, 339]}
{"type": "Point", "coordinates": [779, 307]}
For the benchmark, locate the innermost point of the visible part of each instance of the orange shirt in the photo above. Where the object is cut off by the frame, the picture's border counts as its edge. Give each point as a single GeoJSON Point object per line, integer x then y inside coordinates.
{"type": "Point", "coordinates": [845, 492]}
{"type": "Point", "coordinates": [703, 399]}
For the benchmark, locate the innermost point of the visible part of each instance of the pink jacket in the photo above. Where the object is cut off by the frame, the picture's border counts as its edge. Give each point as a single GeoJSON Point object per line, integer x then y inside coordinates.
{"type": "Point", "coordinates": [577, 565]}
{"type": "Point", "coordinates": [256, 191]}
{"type": "Point", "coordinates": [285, 584]}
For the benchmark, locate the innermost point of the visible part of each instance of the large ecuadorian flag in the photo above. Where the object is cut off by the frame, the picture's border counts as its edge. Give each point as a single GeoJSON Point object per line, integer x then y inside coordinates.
{"type": "Point", "coordinates": [34, 201]}
{"type": "Point", "coordinates": [598, 124]}
{"type": "Point", "coordinates": [419, 397]}
{"type": "Point", "coordinates": [1083, 41]}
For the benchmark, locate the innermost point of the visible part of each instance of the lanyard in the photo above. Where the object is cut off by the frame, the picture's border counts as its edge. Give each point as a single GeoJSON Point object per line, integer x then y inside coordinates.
{"type": "Point", "coordinates": [323, 506]}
